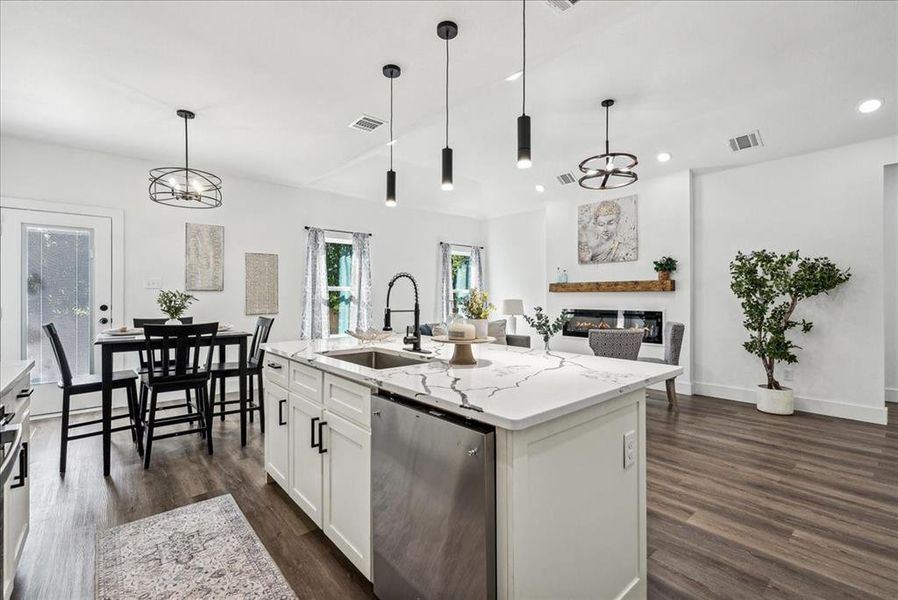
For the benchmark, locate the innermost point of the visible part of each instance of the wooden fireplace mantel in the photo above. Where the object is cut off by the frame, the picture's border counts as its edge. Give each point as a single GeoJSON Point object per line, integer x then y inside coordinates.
{"type": "Point", "coordinates": [649, 285]}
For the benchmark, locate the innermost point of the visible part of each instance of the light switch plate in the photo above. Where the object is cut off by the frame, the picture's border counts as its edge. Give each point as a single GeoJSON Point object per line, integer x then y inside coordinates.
{"type": "Point", "coordinates": [629, 449]}
{"type": "Point", "coordinates": [152, 284]}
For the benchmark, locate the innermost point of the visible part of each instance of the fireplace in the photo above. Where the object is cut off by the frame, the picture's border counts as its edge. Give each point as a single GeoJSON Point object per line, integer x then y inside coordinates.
{"type": "Point", "coordinates": [583, 319]}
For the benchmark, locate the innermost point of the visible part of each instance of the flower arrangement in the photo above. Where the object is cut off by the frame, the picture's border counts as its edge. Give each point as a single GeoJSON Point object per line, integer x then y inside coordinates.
{"type": "Point", "coordinates": [174, 303]}
{"type": "Point", "coordinates": [544, 326]}
{"type": "Point", "coordinates": [476, 305]}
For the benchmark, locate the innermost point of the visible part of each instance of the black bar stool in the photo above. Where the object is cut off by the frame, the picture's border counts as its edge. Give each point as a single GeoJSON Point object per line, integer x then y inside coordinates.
{"type": "Point", "coordinates": [221, 371]}
{"type": "Point", "coordinates": [175, 366]}
{"type": "Point", "coordinates": [86, 384]}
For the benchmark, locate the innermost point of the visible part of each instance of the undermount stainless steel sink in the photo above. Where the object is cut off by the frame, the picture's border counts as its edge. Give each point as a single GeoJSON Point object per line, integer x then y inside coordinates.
{"type": "Point", "coordinates": [377, 359]}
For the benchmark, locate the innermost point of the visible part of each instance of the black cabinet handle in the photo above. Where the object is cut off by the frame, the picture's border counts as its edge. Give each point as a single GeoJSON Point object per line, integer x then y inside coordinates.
{"type": "Point", "coordinates": [8, 417]}
{"type": "Point", "coordinates": [312, 433]}
{"type": "Point", "coordinates": [25, 393]}
{"type": "Point", "coordinates": [321, 448]}
{"type": "Point", "coordinates": [23, 467]}
{"type": "Point", "coordinates": [281, 420]}
{"type": "Point", "coordinates": [273, 365]}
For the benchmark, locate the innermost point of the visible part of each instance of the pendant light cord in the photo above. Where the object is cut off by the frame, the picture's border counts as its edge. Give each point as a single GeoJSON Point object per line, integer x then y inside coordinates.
{"type": "Point", "coordinates": [391, 123]}
{"type": "Point", "coordinates": [524, 57]}
{"type": "Point", "coordinates": [607, 109]}
{"type": "Point", "coordinates": [186, 154]}
{"type": "Point", "coordinates": [447, 92]}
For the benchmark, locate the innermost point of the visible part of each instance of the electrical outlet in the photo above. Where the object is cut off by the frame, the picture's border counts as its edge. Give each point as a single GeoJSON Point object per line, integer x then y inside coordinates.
{"type": "Point", "coordinates": [629, 449]}
{"type": "Point", "coordinates": [152, 284]}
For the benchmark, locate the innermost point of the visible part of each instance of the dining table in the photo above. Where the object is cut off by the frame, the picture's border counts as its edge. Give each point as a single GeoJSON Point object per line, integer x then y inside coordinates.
{"type": "Point", "coordinates": [111, 344]}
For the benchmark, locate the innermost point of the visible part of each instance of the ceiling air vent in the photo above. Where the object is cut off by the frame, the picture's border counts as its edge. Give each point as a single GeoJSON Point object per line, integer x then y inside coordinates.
{"type": "Point", "coordinates": [366, 123]}
{"type": "Point", "coordinates": [561, 5]}
{"type": "Point", "coordinates": [744, 142]}
{"type": "Point", "coordinates": [566, 178]}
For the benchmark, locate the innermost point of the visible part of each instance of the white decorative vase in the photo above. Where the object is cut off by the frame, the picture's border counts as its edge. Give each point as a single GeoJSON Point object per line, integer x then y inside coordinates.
{"type": "Point", "coordinates": [776, 402]}
{"type": "Point", "coordinates": [174, 322]}
{"type": "Point", "coordinates": [481, 328]}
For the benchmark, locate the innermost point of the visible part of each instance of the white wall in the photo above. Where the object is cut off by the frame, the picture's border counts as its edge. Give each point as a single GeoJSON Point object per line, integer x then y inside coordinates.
{"type": "Point", "coordinates": [890, 269]}
{"type": "Point", "coordinates": [516, 261]}
{"type": "Point", "coordinates": [257, 217]}
{"type": "Point", "coordinates": [825, 204]}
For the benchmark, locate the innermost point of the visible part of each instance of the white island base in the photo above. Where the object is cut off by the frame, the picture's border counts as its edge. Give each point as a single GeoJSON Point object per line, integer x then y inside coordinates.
{"type": "Point", "coordinates": [570, 518]}
{"type": "Point", "coordinates": [570, 456]}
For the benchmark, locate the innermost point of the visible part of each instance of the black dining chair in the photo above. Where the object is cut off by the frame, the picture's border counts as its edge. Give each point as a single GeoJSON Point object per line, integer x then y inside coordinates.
{"type": "Point", "coordinates": [222, 371]}
{"type": "Point", "coordinates": [86, 384]}
{"type": "Point", "coordinates": [142, 355]}
{"type": "Point", "coordinates": [174, 366]}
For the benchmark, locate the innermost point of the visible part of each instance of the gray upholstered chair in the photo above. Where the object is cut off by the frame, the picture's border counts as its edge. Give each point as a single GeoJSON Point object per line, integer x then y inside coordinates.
{"type": "Point", "coordinates": [616, 343]}
{"type": "Point", "coordinates": [673, 343]}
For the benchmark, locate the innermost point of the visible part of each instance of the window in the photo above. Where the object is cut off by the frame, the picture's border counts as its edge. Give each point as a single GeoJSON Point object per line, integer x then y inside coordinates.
{"type": "Point", "coordinates": [338, 259]}
{"type": "Point", "coordinates": [461, 275]}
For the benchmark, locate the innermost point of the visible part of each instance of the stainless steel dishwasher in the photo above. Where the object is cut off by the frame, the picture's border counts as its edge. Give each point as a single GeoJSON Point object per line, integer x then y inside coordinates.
{"type": "Point", "coordinates": [433, 503]}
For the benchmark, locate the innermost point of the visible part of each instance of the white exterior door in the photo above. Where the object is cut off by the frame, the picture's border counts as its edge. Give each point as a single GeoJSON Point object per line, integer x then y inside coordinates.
{"type": "Point", "coordinates": [56, 267]}
{"type": "Point", "coordinates": [347, 490]}
{"type": "Point", "coordinates": [277, 448]}
{"type": "Point", "coordinates": [305, 460]}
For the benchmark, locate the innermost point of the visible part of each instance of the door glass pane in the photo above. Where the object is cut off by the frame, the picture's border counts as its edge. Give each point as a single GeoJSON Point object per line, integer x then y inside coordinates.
{"type": "Point", "coordinates": [58, 273]}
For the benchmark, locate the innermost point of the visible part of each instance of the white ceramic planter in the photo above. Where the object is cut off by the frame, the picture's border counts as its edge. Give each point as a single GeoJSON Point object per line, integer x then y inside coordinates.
{"type": "Point", "coordinates": [174, 322]}
{"type": "Point", "coordinates": [776, 402]}
{"type": "Point", "coordinates": [480, 327]}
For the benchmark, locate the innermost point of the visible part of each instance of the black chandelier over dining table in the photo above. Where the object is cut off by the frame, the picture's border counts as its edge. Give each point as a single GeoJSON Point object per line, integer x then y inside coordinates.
{"type": "Point", "coordinates": [185, 187]}
{"type": "Point", "coordinates": [609, 170]}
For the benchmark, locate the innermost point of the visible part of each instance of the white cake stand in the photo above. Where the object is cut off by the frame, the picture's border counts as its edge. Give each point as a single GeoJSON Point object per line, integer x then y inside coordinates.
{"type": "Point", "coordinates": [461, 354]}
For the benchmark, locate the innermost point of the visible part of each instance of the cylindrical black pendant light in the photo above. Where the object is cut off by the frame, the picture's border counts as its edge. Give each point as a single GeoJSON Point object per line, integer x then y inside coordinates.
{"type": "Point", "coordinates": [391, 72]}
{"type": "Point", "coordinates": [447, 30]}
{"type": "Point", "coordinates": [524, 121]}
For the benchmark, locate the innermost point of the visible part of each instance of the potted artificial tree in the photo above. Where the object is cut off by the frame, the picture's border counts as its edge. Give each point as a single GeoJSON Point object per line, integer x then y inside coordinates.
{"type": "Point", "coordinates": [664, 266]}
{"type": "Point", "coordinates": [770, 286]}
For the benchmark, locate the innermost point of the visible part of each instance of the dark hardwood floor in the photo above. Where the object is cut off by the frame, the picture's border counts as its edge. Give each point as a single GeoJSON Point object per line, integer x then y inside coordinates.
{"type": "Point", "coordinates": [740, 505]}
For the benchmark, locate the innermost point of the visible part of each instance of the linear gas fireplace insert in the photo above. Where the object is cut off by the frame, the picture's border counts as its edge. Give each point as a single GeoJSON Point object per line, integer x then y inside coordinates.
{"type": "Point", "coordinates": [583, 319]}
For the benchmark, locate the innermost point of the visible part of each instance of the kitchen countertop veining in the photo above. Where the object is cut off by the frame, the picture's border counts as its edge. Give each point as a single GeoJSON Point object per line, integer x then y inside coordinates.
{"type": "Point", "coordinates": [512, 388]}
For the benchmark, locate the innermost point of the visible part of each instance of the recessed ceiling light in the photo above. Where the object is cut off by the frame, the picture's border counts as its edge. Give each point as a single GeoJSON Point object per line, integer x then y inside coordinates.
{"type": "Point", "coordinates": [871, 105]}
{"type": "Point", "coordinates": [391, 142]}
{"type": "Point", "coordinates": [663, 157]}
{"type": "Point", "coordinates": [514, 76]}
{"type": "Point", "coordinates": [540, 188]}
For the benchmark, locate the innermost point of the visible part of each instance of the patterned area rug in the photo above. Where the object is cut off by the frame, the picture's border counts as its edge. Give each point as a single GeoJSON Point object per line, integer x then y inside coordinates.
{"type": "Point", "coordinates": [204, 550]}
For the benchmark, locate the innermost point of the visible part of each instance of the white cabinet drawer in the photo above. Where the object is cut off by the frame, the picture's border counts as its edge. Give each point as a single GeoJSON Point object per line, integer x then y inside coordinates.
{"type": "Point", "coordinates": [348, 399]}
{"type": "Point", "coordinates": [306, 382]}
{"type": "Point", "coordinates": [276, 369]}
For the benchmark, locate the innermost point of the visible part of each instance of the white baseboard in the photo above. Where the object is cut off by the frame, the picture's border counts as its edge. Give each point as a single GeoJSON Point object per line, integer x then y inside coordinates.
{"type": "Point", "coordinates": [892, 394]}
{"type": "Point", "coordinates": [843, 410]}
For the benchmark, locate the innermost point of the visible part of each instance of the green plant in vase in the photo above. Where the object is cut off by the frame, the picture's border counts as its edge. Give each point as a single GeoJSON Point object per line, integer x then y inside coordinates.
{"type": "Point", "coordinates": [664, 266]}
{"type": "Point", "coordinates": [174, 303]}
{"type": "Point", "coordinates": [545, 326]}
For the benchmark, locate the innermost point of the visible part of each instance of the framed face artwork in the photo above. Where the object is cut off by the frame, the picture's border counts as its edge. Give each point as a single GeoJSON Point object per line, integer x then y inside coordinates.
{"type": "Point", "coordinates": [607, 231]}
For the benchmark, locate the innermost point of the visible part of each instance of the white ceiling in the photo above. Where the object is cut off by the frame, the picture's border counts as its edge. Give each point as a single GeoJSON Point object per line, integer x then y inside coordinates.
{"type": "Point", "coordinates": [274, 86]}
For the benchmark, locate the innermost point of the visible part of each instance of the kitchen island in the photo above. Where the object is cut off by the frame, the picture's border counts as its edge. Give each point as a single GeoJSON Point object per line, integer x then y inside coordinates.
{"type": "Point", "coordinates": [570, 511]}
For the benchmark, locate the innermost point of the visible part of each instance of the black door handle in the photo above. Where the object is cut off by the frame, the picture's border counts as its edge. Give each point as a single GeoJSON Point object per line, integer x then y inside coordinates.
{"type": "Point", "coordinates": [103, 320]}
{"type": "Point", "coordinates": [281, 420]}
{"type": "Point", "coordinates": [312, 433]}
{"type": "Point", "coordinates": [23, 467]}
{"type": "Point", "coordinates": [104, 307]}
{"type": "Point", "coordinates": [321, 448]}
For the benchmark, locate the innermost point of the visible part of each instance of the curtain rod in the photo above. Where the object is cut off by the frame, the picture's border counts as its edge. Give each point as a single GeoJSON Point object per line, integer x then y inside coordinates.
{"type": "Point", "coordinates": [339, 230]}
{"type": "Point", "coordinates": [460, 245]}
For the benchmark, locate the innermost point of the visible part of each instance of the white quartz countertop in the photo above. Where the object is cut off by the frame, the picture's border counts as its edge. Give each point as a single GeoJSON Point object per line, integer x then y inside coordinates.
{"type": "Point", "coordinates": [510, 387]}
{"type": "Point", "coordinates": [11, 371]}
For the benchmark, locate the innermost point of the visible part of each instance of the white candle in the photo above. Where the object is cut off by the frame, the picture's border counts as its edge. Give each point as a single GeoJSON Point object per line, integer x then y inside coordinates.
{"type": "Point", "coordinates": [461, 331]}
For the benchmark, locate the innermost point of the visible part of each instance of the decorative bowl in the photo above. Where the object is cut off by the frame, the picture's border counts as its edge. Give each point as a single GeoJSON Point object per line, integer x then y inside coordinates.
{"type": "Point", "coordinates": [370, 335]}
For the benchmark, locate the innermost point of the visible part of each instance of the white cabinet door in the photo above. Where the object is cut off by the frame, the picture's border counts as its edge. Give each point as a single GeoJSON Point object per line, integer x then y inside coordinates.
{"type": "Point", "coordinates": [277, 443]}
{"type": "Point", "coordinates": [16, 509]}
{"type": "Point", "coordinates": [347, 489]}
{"type": "Point", "coordinates": [305, 458]}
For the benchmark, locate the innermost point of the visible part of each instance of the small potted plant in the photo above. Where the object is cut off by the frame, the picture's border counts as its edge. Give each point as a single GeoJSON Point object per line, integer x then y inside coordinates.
{"type": "Point", "coordinates": [477, 309]}
{"type": "Point", "coordinates": [664, 266]}
{"type": "Point", "coordinates": [174, 303]}
{"type": "Point", "coordinates": [544, 326]}
{"type": "Point", "coordinates": [769, 287]}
